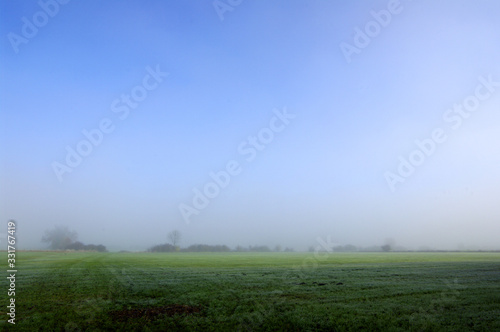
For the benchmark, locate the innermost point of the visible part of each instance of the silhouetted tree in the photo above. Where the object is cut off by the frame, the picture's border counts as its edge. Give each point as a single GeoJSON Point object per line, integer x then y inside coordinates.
{"type": "Point", "coordinates": [259, 248]}
{"type": "Point", "coordinates": [174, 237]}
{"type": "Point", "coordinates": [59, 237]}
{"type": "Point", "coordinates": [206, 248]}
{"type": "Point", "coordinates": [386, 247]}
{"type": "Point", "coordinates": [167, 247]}
{"type": "Point", "coordinates": [76, 246]}
{"type": "Point", "coordinates": [240, 248]}
{"type": "Point", "coordinates": [101, 248]}
{"type": "Point", "coordinates": [89, 247]}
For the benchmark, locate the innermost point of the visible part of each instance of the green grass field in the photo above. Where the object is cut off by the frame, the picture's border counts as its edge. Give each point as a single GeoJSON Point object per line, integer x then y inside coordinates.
{"type": "Point", "coordinates": [255, 291]}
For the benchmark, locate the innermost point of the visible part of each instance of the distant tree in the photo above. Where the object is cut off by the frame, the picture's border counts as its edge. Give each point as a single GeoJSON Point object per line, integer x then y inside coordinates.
{"type": "Point", "coordinates": [338, 248]}
{"type": "Point", "coordinates": [350, 247]}
{"type": "Point", "coordinates": [240, 248]}
{"type": "Point", "coordinates": [386, 247]}
{"type": "Point", "coordinates": [389, 244]}
{"type": "Point", "coordinates": [75, 246]}
{"type": "Point", "coordinates": [101, 248]}
{"type": "Point", "coordinates": [174, 237]}
{"type": "Point", "coordinates": [59, 237]}
{"type": "Point", "coordinates": [167, 247]}
{"type": "Point", "coordinates": [206, 248]}
{"type": "Point", "coordinates": [89, 247]}
{"type": "Point", "coordinates": [259, 248]}
{"type": "Point", "coordinates": [289, 249]}
{"type": "Point", "coordinates": [277, 248]}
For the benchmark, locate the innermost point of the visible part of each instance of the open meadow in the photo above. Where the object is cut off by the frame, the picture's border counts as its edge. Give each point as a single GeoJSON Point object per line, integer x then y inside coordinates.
{"type": "Point", "coordinates": [79, 291]}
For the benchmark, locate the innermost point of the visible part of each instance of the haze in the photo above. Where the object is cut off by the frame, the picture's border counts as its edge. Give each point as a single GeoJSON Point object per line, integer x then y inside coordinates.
{"type": "Point", "coordinates": [319, 130]}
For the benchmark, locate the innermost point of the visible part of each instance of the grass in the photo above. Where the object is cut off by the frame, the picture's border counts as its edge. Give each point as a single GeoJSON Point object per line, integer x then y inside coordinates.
{"type": "Point", "coordinates": [256, 291]}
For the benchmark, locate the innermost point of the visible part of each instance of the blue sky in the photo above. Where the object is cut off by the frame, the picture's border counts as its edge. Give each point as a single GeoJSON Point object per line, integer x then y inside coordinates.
{"type": "Point", "coordinates": [323, 174]}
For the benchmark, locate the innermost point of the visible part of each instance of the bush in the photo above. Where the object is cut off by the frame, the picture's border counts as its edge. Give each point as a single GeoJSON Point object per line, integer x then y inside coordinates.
{"type": "Point", "coordinates": [167, 247]}
{"type": "Point", "coordinates": [89, 247]}
{"type": "Point", "coordinates": [206, 248]}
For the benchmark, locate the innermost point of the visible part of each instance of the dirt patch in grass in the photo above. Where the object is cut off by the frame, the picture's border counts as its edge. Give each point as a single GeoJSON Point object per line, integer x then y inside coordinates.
{"type": "Point", "coordinates": [152, 313]}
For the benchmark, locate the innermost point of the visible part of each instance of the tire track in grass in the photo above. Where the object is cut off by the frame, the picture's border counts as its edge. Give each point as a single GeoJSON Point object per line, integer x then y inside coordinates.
{"type": "Point", "coordinates": [94, 281]}
{"type": "Point", "coordinates": [46, 288]}
{"type": "Point", "coordinates": [65, 288]}
{"type": "Point", "coordinates": [97, 280]}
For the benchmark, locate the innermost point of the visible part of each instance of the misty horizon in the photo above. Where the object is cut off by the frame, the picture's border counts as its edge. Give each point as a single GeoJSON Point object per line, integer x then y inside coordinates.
{"type": "Point", "coordinates": [265, 124]}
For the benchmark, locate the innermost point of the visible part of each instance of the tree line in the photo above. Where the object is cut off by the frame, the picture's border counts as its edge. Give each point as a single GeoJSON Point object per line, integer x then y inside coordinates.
{"type": "Point", "coordinates": [168, 247]}
{"type": "Point", "coordinates": [61, 238]}
{"type": "Point", "coordinates": [174, 238]}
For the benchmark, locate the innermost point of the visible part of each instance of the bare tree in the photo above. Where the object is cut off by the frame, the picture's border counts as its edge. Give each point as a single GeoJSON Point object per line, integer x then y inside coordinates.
{"type": "Point", "coordinates": [174, 237]}
{"type": "Point", "coordinates": [59, 237]}
{"type": "Point", "coordinates": [389, 244]}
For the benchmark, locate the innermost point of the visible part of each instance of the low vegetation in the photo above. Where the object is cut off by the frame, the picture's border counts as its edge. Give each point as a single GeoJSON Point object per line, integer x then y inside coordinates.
{"type": "Point", "coordinates": [61, 238]}
{"type": "Point", "coordinates": [231, 291]}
